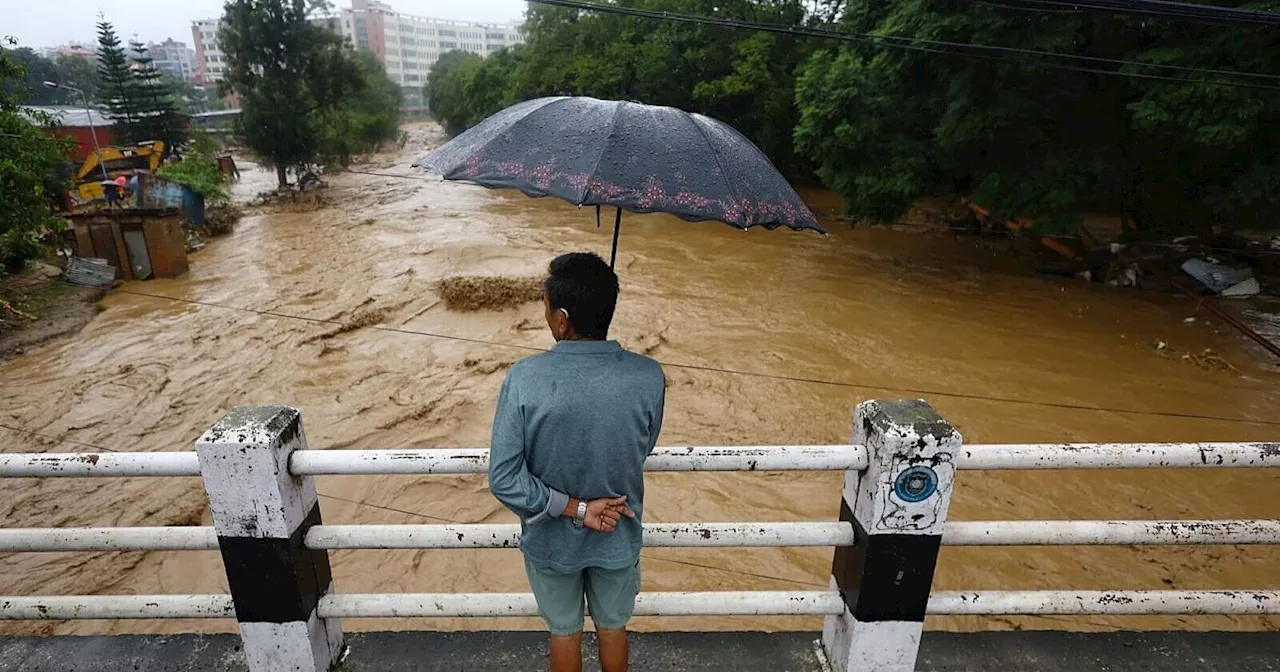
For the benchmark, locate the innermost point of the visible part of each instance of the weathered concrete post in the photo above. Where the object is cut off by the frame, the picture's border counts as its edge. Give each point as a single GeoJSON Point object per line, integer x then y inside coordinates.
{"type": "Point", "coordinates": [261, 513]}
{"type": "Point", "coordinates": [898, 507]}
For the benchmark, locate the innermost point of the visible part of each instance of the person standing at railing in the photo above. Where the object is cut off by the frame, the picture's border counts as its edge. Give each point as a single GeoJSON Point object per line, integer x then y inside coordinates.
{"type": "Point", "coordinates": [570, 437]}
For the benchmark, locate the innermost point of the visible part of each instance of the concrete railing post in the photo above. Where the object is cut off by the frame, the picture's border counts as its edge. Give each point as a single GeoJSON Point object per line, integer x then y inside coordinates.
{"type": "Point", "coordinates": [260, 514]}
{"type": "Point", "coordinates": [897, 507]}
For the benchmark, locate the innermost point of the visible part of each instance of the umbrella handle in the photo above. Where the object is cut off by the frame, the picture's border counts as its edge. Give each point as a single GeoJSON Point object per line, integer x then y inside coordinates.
{"type": "Point", "coordinates": [597, 216]}
{"type": "Point", "coordinates": [617, 226]}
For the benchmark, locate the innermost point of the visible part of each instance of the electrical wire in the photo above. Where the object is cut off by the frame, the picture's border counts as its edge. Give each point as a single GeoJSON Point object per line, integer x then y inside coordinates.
{"type": "Point", "coordinates": [962, 49]}
{"type": "Point", "coordinates": [736, 372]}
{"type": "Point", "coordinates": [748, 374]}
{"type": "Point", "coordinates": [1159, 9]}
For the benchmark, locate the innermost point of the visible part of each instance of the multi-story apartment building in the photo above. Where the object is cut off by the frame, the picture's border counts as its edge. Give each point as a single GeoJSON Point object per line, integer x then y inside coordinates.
{"type": "Point", "coordinates": [211, 63]}
{"type": "Point", "coordinates": [407, 45]}
{"type": "Point", "coordinates": [174, 57]}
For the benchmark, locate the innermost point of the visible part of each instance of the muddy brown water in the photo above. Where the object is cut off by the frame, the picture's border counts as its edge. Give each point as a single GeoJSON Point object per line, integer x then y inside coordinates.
{"type": "Point", "coordinates": [885, 312]}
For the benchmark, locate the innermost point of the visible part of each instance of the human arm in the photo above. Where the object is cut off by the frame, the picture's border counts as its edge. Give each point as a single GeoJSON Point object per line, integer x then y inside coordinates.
{"type": "Point", "coordinates": [509, 478]}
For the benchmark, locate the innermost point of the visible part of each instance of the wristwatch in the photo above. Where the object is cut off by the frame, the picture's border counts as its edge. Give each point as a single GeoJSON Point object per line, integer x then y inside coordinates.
{"type": "Point", "coordinates": [580, 518]}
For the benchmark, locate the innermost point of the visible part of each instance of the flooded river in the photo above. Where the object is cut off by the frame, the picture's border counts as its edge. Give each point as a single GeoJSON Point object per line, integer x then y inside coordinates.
{"type": "Point", "coordinates": [1003, 356]}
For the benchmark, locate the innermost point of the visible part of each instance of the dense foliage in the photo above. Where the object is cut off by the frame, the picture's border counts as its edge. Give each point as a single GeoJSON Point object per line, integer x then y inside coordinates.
{"type": "Point", "coordinates": [198, 169]}
{"type": "Point", "coordinates": [302, 89]}
{"type": "Point", "coordinates": [361, 124]}
{"type": "Point", "coordinates": [886, 126]}
{"type": "Point", "coordinates": [76, 71]}
{"type": "Point", "coordinates": [31, 169]}
{"type": "Point", "coordinates": [742, 77]}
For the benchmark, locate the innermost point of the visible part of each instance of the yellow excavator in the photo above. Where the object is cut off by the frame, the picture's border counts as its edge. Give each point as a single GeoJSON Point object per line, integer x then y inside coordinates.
{"type": "Point", "coordinates": [117, 161]}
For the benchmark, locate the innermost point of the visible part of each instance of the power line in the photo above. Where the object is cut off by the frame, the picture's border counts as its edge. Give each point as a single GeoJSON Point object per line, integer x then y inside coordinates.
{"type": "Point", "coordinates": [1161, 9]}
{"type": "Point", "coordinates": [967, 50]}
{"type": "Point", "coordinates": [748, 374]}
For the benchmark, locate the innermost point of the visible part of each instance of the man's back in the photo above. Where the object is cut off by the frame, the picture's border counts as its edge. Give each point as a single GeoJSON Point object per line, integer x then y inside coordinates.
{"type": "Point", "coordinates": [587, 414]}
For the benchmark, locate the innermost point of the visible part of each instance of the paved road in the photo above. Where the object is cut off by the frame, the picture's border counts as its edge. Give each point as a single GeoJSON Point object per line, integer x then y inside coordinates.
{"type": "Point", "coordinates": [669, 652]}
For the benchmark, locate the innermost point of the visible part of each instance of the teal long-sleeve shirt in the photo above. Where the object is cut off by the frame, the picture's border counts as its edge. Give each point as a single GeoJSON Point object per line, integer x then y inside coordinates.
{"type": "Point", "coordinates": [577, 421]}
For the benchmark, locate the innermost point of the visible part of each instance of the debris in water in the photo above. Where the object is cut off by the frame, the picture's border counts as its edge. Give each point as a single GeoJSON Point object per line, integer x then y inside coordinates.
{"type": "Point", "coordinates": [470, 293]}
{"type": "Point", "coordinates": [363, 318]}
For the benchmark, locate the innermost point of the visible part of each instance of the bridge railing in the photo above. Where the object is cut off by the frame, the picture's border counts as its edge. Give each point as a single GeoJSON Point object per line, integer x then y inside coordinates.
{"type": "Point", "coordinates": [899, 472]}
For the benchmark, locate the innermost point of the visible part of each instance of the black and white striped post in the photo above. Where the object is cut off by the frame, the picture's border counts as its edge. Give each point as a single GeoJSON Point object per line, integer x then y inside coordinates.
{"type": "Point", "coordinates": [261, 513]}
{"type": "Point", "coordinates": [897, 507]}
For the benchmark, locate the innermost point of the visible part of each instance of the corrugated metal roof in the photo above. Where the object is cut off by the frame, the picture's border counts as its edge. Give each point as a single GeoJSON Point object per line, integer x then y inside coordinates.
{"type": "Point", "coordinates": [70, 116]}
{"type": "Point", "coordinates": [90, 272]}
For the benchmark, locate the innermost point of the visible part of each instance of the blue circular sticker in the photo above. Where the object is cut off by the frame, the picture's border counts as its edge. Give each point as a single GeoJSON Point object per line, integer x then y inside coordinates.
{"type": "Point", "coordinates": [916, 484]}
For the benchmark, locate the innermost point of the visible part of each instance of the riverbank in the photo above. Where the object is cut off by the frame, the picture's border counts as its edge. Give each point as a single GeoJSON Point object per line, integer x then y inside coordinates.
{"type": "Point", "coordinates": [37, 307]}
{"type": "Point", "coordinates": [767, 338]}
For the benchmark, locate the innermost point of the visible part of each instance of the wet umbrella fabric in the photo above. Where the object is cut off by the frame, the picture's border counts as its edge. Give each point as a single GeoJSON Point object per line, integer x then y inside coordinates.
{"type": "Point", "coordinates": [641, 158]}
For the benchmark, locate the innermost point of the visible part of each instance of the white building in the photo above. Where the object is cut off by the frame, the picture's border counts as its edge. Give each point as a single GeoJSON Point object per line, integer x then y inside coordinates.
{"type": "Point", "coordinates": [174, 57]}
{"type": "Point", "coordinates": [407, 46]}
{"type": "Point", "coordinates": [211, 63]}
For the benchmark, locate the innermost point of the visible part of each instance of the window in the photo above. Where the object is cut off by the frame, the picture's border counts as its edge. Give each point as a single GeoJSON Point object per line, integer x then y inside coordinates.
{"type": "Point", "coordinates": [448, 33]}
{"type": "Point", "coordinates": [448, 45]}
{"type": "Point", "coordinates": [493, 47]}
{"type": "Point", "coordinates": [412, 78]}
{"type": "Point", "coordinates": [426, 31]}
{"type": "Point", "coordinates": [408, 53]}
{"type": "Point", "coordinates": [496, 37]}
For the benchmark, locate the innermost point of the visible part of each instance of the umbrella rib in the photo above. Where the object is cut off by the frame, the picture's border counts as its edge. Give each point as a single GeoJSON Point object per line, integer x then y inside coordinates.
{"type": "Point", "coordinates": [604, 146]}
{"type": "Point", "coordinates": [724, 175]}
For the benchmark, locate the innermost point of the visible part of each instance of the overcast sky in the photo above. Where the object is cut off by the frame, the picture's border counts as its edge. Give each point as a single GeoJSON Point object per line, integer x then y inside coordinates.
{"type": "Point", "coordinates": [47, 23]}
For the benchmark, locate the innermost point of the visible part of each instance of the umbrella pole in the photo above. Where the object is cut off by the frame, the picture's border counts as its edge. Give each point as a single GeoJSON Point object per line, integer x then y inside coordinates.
{"type": "Point", "coordinates": [617, 226]}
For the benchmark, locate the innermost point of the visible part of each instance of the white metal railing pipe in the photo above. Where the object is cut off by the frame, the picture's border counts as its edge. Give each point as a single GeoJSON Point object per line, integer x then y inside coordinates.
{"type": "Point", "coordinates": [53, 539]}
{"type": "Point", "coordinates": [54, 465]}
{"type": "Point", "coordinates": [1117, 455]}
{"type": "Point", "coordinates": [1110, 532]}
{"type": "Point", "coordinates": [719, 603]}
{"type": "Point", "coordinates": [691, 458]}
{"type": "Point", "coordinates": [678, 535]}
{"type": "Point", "coordinates": [669, 535]}
{"type": "Point", "coordinates": [476, 460]}
{"type": "Point", "coordinates": [1105, 602]}
{"type": "Point", "coordinates": [64, 607]}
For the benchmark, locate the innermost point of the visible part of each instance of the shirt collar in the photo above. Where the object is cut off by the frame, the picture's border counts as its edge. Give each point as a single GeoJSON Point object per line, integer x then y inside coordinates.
{"type": "Point", "coordinates": [586, 347]}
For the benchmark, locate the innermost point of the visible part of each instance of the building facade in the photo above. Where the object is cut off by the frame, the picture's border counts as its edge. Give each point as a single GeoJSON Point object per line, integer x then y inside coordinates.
{"type": "Point", "coordinates": [407, 46]}
{"type": "Point", "coordinates": [211, 63]}
{"type": "Point", "coordinates": [175, 58]}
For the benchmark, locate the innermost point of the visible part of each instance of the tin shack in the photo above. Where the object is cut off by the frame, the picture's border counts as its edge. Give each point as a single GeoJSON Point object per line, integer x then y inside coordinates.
{"type": "Point", "coordinates": [140, 243]}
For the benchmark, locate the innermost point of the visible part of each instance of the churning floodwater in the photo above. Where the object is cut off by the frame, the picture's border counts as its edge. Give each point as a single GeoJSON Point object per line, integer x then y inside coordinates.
{"type": "Point", "coordinates": [1004, 356]}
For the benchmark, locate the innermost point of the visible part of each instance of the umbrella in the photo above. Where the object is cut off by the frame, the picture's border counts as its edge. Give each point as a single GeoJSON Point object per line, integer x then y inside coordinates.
{"type": "Point", "coordinates": [642, 158]}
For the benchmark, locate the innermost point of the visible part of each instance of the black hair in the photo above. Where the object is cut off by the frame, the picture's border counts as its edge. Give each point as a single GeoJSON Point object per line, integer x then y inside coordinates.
{"type": "Point", "coordinates": [585, 286]}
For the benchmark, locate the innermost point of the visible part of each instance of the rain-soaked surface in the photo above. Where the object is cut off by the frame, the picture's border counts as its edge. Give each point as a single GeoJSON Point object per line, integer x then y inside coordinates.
{"type": "Point", "coordinates": [1004, 357]}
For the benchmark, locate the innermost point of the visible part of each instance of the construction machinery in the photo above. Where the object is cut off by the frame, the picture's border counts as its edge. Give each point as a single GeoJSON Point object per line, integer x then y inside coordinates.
{"type": "Point", "coordinates": [118, 160]}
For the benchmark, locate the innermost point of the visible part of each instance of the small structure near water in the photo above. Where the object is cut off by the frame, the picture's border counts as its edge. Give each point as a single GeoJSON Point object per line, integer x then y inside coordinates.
{"type": "Point", "coordinates": [140, 244]}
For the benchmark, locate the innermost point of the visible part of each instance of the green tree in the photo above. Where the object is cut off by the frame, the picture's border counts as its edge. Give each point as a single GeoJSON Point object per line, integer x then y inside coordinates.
{"type": "Point", "coordinates": [360, 124]}
{"type": "Point", "coordinates": [446, 89]}
{"type": "Point", "coordinates": [289, 75]}
{"type": "Point", "coordinates": [29, 163]}
{"type": "Point", "coordinates": [741, 77]}
{"type": "Point", "coordinates": [156, 113]}
{"type": "Point", "coordinates": [79, 72]}
{"type": "Point", "coordinates": [887, 126]}
{"type": "Point", "coordinates": [117, 86]}
{"type": "Point", "coordinates": [38, 71]}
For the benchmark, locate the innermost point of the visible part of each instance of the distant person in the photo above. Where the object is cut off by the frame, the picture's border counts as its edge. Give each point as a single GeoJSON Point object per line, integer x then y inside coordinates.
{"type": "Point", "coordinates": [570, 437]}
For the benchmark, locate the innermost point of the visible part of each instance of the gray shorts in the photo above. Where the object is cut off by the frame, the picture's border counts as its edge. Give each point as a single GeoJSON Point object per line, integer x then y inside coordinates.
{"type": "Point", "coordinates": [610, 594]}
